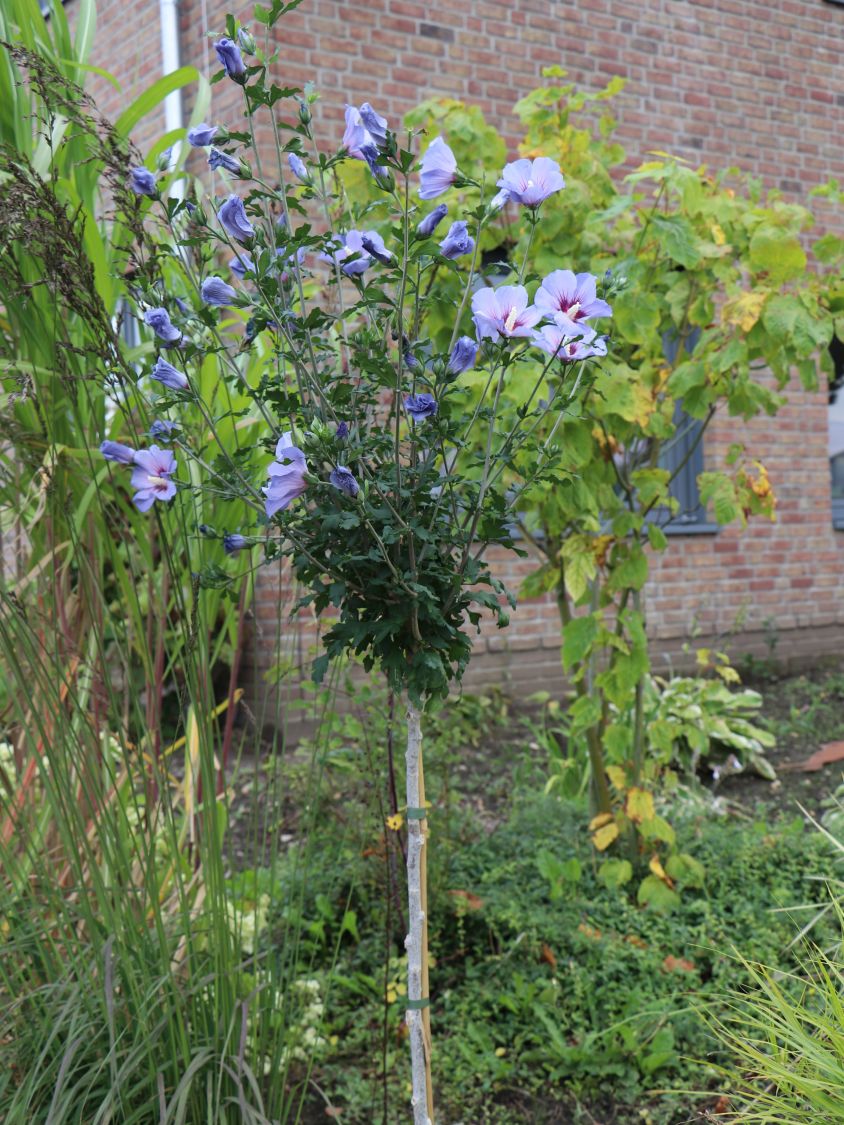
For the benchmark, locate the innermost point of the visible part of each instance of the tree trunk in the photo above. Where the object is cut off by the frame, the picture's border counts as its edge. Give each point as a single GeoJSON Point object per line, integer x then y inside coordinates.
{"type": "Point", "coordinates": [416, 943]}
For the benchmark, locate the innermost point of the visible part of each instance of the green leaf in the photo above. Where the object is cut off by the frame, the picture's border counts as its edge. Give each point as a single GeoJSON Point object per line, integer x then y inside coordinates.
{"type": "Point", "coordinates": [579, 566]}
{"type": "Point", "coordinates": [662, 1051]}
{"type": "Point", "coordinates": [655, 893]}
{"type": "Point", "coordinates": [658, 828]}
{"type": "Point", "coordinates": [685, 870]}
{"type": "Point", "coordinates": [829, 248]}
{"type": "Point", "coordinates": [614, 873]}
{"type": "Point", "coordinates": [584, 713]}
{"type": "Point", "coordinates": [791, 324]}
{"type": "Point", "coordinates": [686, 376]}
{"type": "Point", "coordinates": [777, 253]}
{"type": "Point", "coordinates": [636, 315]}
{"type": "Point", "coordinates": [657, 537]}
{"type": "Point", "coordinates": [546, 578]}
{"type": "Point", "coordinates": [153, 96]}
{"type": "Point", "coordinates": [677, 239]}
{"type": "Point", "coordinates": [630, 572]}
{"type": "Point", "coordinates": [578, 637]}
{"type": "Point", "coordinates": [719, 490]}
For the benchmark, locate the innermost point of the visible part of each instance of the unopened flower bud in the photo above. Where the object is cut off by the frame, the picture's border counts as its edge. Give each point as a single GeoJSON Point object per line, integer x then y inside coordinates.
{"type": "Point", "coordinates": [304, 112]}
{"type": "Point", "coordinates": [246, 40]}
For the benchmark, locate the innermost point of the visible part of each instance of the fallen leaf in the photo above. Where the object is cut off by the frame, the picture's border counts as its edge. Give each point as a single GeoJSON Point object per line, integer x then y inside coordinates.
{"type": "Point", "coordinates": [828, 753]}
{"type": "Point", "coordinates": [682, 964]}
{"type": "Point", "coordinates": [634, 939]}
{"type": "Point", "coordinates": [547, 955]}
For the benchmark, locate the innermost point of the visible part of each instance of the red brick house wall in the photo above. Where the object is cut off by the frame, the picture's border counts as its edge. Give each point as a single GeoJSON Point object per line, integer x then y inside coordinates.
{"type": "Point", "coordinates": [758, 85]}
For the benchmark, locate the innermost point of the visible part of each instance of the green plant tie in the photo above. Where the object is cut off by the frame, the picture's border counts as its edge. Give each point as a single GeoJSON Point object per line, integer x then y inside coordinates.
{"type": "Point", "coordinates": [418, 1005]}
{"type": "Point", "coordinates": [416, 814]}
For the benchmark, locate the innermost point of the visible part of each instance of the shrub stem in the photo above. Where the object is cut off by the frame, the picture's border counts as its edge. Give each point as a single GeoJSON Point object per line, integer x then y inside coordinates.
{"type": "Point", "coordinates": [416, 943]}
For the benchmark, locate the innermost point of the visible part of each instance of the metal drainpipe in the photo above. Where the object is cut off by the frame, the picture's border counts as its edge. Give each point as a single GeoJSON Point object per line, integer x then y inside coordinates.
{"type": "Point", "coordinates": [171, 60]}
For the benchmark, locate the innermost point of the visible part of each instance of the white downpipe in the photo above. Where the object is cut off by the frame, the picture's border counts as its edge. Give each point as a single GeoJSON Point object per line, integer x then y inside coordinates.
{"type": "Point", "coordinates": [171, 60]}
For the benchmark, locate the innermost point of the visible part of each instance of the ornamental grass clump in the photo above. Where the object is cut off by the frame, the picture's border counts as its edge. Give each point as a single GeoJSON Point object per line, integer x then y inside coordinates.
{"type": "Point", "coordinates": [388, 474]}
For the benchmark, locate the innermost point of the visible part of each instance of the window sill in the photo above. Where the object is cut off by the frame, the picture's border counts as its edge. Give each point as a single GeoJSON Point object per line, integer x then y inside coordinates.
{"type": "Point", "coordinates": [695, 523]}
{"type": "Point", "coordinates": [675, 529]}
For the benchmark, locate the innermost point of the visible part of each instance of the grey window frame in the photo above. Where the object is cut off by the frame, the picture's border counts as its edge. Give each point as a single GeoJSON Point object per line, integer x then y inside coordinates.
{"type": "Point", "coordinates": [683, 451]}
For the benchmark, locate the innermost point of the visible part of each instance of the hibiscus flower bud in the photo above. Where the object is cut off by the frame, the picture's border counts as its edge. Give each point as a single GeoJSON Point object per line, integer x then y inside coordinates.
{"type": "Point", "coordinates": [231, 59]}
{"type": "Point", "coordinates": [142, 181]}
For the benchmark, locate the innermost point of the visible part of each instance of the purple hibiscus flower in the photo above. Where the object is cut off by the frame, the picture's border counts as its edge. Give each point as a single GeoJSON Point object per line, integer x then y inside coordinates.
{"type": "Point", "coordinates": [297, 167]}
{"type": "Point", "coordinates": [218, 159]}
{"type": "Point", "coordinates": [215, 291]}
{"type": "Point", "coordinates": [504, 312]}
{"type": "Point", "coordinates": [142, 181]}
{"type": "Point", "coordinates": [240, 264]}
{"type": "Point", "coordinates": [529, 182]}
{"type": "Point", "coordinates": [159, 321]}
{"type": "Point", "coordinates": [151, 477]}
{"type": "Point", "coordinates": [232, 216]}
{"type": "Point", "coordinates": [370, 155]}
{"type": "Point", "coordinates": [170, 376]}
{"type": "Point", "coordinates": [356, 136]}
{"type": "Point", "coordinates": [499, 201]}
{"type": "Point", "coordinates": [201, 136]}
{"type": "Point", "coordinates": [421, 407]}
{"type": "Point", "coordinates": [162, 429]}
{"type": "Point", "coordinates": [231, 59]}
{"type": "Point", "coordinates": [234, 543]}
{"type": "Point", "coordinates": [350, 245]}
{"type": "Point", "coordinates": [364, 128]}
{"type": "Point", "coordinates": [438, 169]}
{"type": "Point", "coordinates": [430, 223]}
{"type": "Point", "coordinates": [457, 242]}
{"type": "Point", "coordinates": [375, 125]}
{"type": "Point", "coordinates": [114, 451]}
{"type": "Point", "coordinates": [342, 431]}
{"type": "Point", "coordinates": [373, 244]}
{"type": "Point", "coordinates": [558, 342]}
{"type": "Point", "coordinates": [287, 476]}
{"type": "Point", "coordinates": [289, 262]}
{"type": "Point", "coordinates": [570, 298]}
{"type": "Point", "coordinates": [463, 356]}
{"type": "Point", "coordinates": [344, 480]}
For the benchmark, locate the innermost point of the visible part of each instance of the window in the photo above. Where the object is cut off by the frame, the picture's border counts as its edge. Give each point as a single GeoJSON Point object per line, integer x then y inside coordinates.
{"type": "Point", "coordinates": [683, 454]}
{"type": "Point", "coordinates": [836, 432]}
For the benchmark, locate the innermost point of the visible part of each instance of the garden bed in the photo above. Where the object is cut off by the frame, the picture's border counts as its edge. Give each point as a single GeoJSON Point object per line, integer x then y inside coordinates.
{"type": "Point", "coordinates": [553, 1003]}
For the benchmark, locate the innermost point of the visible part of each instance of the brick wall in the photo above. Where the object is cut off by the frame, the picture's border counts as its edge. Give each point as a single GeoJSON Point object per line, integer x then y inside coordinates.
{"type": "Point", "coordinates": [724, 81]}
{"type": "Point", "coordinates": [740, 82]}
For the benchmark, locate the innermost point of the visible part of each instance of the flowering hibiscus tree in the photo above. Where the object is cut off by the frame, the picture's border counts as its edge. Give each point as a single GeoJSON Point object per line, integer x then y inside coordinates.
{"type": "Point", "coordinates": [388, 474]}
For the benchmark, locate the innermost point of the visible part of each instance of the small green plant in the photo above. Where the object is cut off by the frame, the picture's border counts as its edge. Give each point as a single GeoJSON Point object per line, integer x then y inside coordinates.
{"type": "Point", "coordinates": [786, 1033]}
{"type": "Point", "coordinates": [692, 721]}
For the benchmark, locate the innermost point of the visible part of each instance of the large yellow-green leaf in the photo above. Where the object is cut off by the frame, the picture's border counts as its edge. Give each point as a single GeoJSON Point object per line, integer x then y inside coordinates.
{"type": "Point", "coordinates": [777, 253]}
